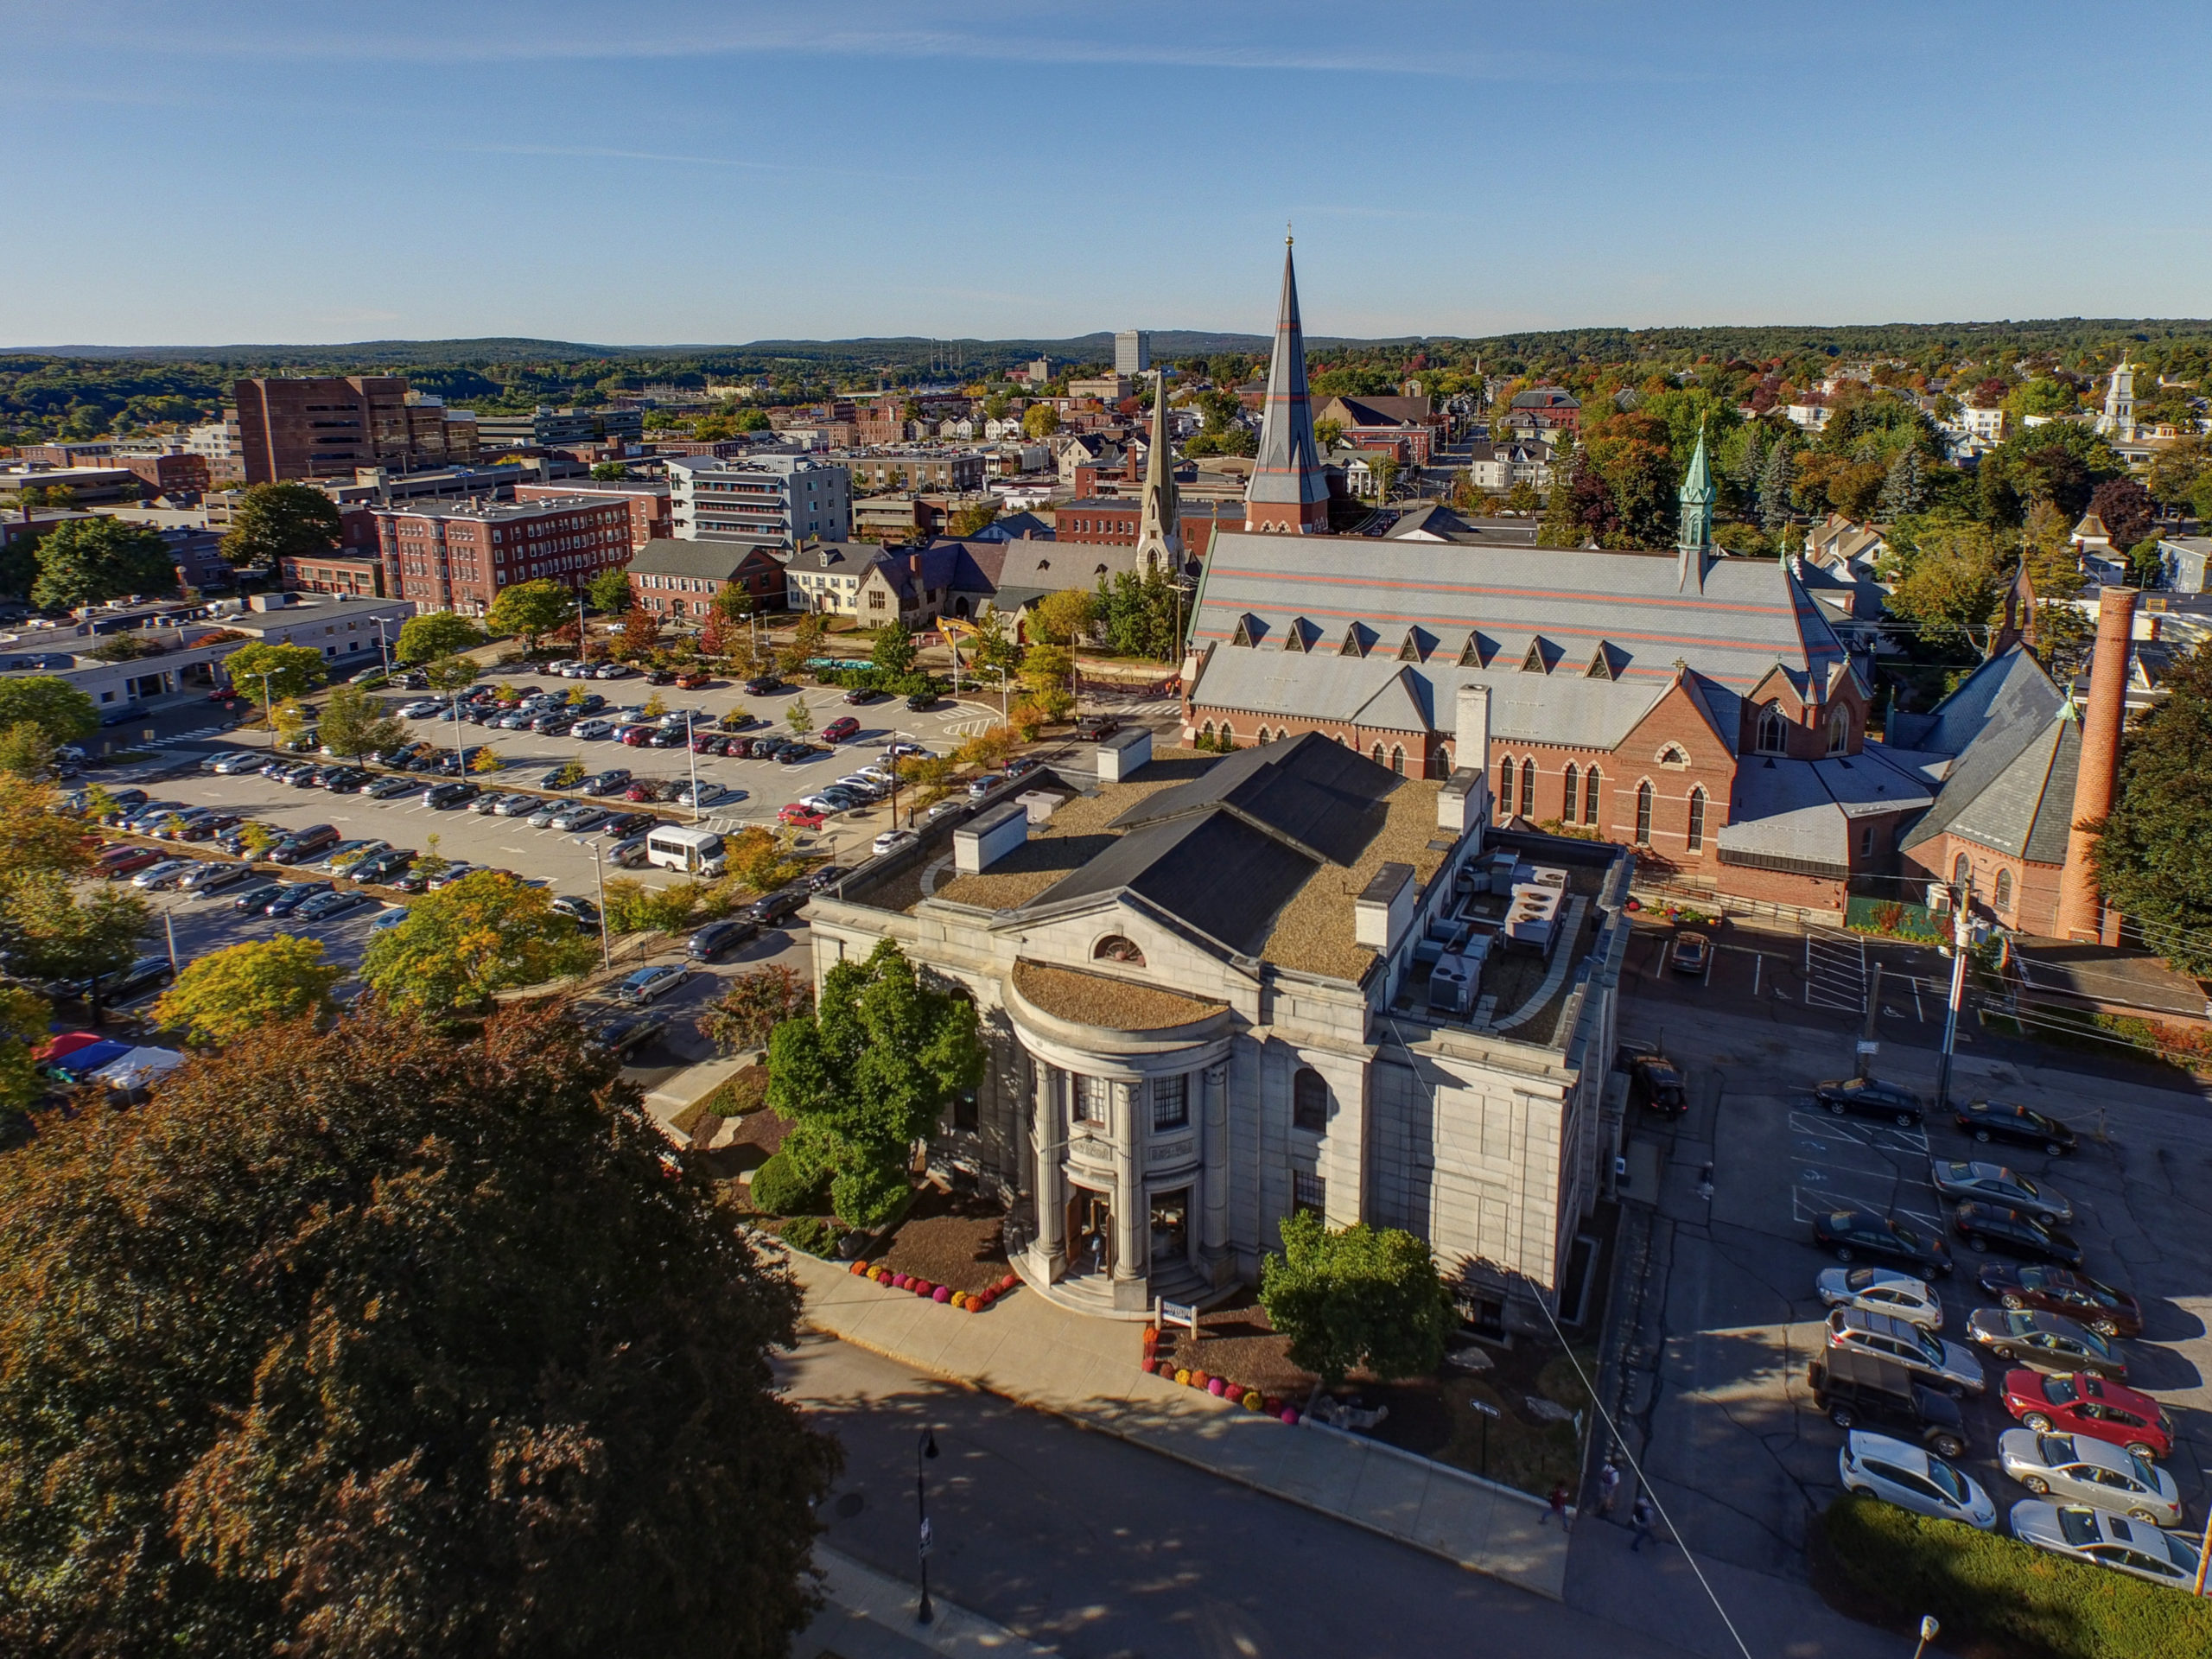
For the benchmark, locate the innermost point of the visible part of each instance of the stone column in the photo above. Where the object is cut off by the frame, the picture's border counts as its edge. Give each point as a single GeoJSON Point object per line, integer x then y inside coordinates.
{"type": "Point", "coordinates": [1132, 1222]}
{"type": "Point", "coordinates": [1211, 1228]}
{"type": "Point", "coordinates": [1050, 1249]}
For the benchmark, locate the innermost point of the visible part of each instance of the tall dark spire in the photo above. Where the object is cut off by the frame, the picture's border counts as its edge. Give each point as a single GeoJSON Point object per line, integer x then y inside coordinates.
{"type": "Point", "coordinates": [1159, 529]}
{"type": "Point", "coordinates": [1289, 492]}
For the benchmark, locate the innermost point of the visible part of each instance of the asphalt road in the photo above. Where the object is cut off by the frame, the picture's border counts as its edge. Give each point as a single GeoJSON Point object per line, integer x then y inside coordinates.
{"type": "Point", "coordinates": [1107, 1551]}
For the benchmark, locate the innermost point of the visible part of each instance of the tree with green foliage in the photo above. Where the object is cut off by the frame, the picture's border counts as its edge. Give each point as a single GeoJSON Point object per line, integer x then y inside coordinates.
{"type": "Point", "coordinates": [530, 609]}
{"type": "Point", "coordinates": [2154, 857]}
{"type": "Point", "coordinates": [1905, 488]}
{"type": "Point", "coordinates": [1359, 1296]}
{"type": "Point", "coordinates": [866, 1076]}
{"type": "Point", "coordinates": [61, 712]}
{"type": "Point", "coordinates": [893, 652]}
{"type": "Point", "coordinates": [224, 996]}
{"type": "Point", "coordinates": [51, 929]}
{"type": "Point", "coordinates": [281, 521]}
{"type": "Point", "coordinates": [487, 933]}
{"type": "Point", "coordinates": [91, 561]}
{"type": "Point", "coordinates": [1063, 618]}
{"type": "Point", "coordinates": [610, 472]}
{"type": "Point", "coordinates": [1776, 478]}
{"type": "Point", "coordinates": [446, 675]}
{"type": "Point", "coordinates": [609, 592]}
{"type": "Point", "coordinates": [754, 1004]}
{"type": "Point", "coordinates": [24, 1017]}
{"type": "Point", "coordinates": [25, 750]}
{"type": "Point", "coordinates": [1953, 577]}
{"type": "Point", "coordinates": [498, 1385]}
{"type": "Point", "coordinates": [975, 516]}
{"type": "Point", "coordinates": [271, 673]}
{"type": "Point", "coordinates": [437, 634]}
{"type": "Point", "coordinates": [354, 723]}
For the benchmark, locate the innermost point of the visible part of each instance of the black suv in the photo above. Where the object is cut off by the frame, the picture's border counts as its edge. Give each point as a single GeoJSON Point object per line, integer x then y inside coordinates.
{"type": "Point", "coordinates": [303, 844]}
{"type": "Point", "coordinates": [771, 911]}
{"type": "Point", "coordinates": [1870, 1098]}
{"type": "Point", "coordinates": [1855, 1389]}
{"type": "Point", "coordinates": [1655, 1082]}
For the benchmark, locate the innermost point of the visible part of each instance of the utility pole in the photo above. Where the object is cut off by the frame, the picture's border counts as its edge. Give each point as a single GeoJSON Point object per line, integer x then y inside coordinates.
{"type": "Point", "coordinates": [925, 1613]}
{"type": "Point", "coordinates": [1961, 935]}
{"type": "Point", "coordinates": [1866, 1044]}
{"type": "Point", "coordinates": [599, 874]}
{"type": "Point", "coordinates": [695, 765]}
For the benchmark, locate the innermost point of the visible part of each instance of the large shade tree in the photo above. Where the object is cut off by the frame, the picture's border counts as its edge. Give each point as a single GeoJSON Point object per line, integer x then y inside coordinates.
{"type": "Point", "coordinates": [90, 561]}
{"type": "Point", "coordinates": [383, 1343]}
{"type": "Point", "coordinates": [2154, 859]}
{"type": "Point", "coordinates": [280, 521]}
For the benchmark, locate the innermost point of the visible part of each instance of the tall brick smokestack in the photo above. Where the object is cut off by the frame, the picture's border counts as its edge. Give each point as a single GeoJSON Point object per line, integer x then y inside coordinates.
{"type": "Point", "coordinates": [2096, 784]}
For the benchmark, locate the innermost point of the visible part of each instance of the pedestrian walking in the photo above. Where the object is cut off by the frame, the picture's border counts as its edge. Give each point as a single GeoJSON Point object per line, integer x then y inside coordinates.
{"type": "Point", "coordinates": [1642, 1518]}
{"type": "Point", "coordinates": [1609, 1488]}
{"type": "Point", "coordinates": [1558, 1508]}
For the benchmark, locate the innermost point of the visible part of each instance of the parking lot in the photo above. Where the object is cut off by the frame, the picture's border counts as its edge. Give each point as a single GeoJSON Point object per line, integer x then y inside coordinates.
{"type": "Point", "coordinates": [1729, 1316]}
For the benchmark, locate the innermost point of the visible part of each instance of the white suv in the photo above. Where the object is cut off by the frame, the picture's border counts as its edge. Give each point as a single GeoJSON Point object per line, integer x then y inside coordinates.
{"type": "Point", "coordinates": [1903, 1474]}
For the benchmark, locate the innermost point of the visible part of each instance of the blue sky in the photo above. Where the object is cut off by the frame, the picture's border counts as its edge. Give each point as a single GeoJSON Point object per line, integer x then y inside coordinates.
{"type": "Point", "coordinates": [723, 172]}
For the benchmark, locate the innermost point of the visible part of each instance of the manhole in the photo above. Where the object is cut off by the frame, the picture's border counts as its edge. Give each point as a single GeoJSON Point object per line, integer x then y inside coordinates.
{"type": "Point", "coordinates": [850, 1505]}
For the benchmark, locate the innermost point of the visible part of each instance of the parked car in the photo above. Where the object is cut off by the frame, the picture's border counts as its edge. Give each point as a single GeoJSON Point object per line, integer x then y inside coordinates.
{"type": "Point", "coordinates": [1655, 1083]}
{"type": "Point", "coordinates": [348, 780]}
{"type": "Point", "coordinates": [452, 873]}
{"type": "Point", "coordinates": [1946, 1365]}
{"type": "Point", "coordinates": [348, 853]}
{"type": "Point", "coordinates": [325, 907]}
{"type": "Point", "coordinates": [918, 701]}
{"type": "Point", "coordinates": [828, 876]}
{"type": "Point", "coordinates": [892, 840]}
{"type": "Point", "coordinates": [2085, 1471]}
{"type": "Point", "coordinates": [838, 730]}
{"type": "Point", "coordinates": [2103, 1540]}
{"type": "Point", "coordinates": [1853, 1387]}
{"type": "Point", "coordinates": [717, 939]}
{"type": "Point", "coordinates": [382, 867]}
{"type": "Point", "coordinates": [799, 816]}
{"type": "Point", "coordinates": [516, 805]}
{"type": "Point", "coordinates": [610, 782]}
{"type": "Point", "coordinates": [2108, 1311]}
{"type": "Point", "coordinates": [164, 874]}
{"type": "Point", "coordinates": [1996, 1185]}
{"type": "Point", "coordinates": [128, 860]}
{"type": "Point", "coordinates": [627, 853]}
{"type": "Point", "coordinates": [256, 898]}
{"type": "Point", "coordinates": [1997, 1120]}
{"type": "Point", "coordinates": [796, 754]}
{"type": "Point", "coordinates": [1987, 1227]}
{"type": "Point", "coordinates": [629, 823]}
{"type": "Point", "coordinates": [862, 695]}
{"type": "Point", "coordinates": [1692, 953]}
{"type": "Point", "coordinates": [642, 789]}
{"type": "Point", "coordinates": [303, 844]}
{"type": "Point", "coordinates": [122, 802]}
{"type": "Point", "coordinates": [230, 765]}
{"type": "Point", "coordinates": [2083, 1403]}
{"type": "Point", "coordinates": [1848, 1234]}
{"type": "Point", "coordinates": [1022, 765]}
{"type": "Point", "coordinates": [214, 877]}
{"type": "Point", "coordinates": [1881, 1290]}
{"type": "Point", "coordinates": [705, 793]}
{"type": "Point", "coordinates": [660, 677]}
{"type": "Point", "coordinates": [293, 896]}
{"type": "Point", "coordinates": [578, 910]}
{"type": "Point", "coordinates": [2047, 1341]}
{"type": "Point", "coordinates": [619, 1032]}
{"type": "Point", "coordinates": [141, 976]}
{"type": "Point", "coordinates": [444, 796]}
{"type": "Point", "coordinates": [764, 685]}
{"type": "Point", "coordinates": [1870, 1098]}
{"type": "Point", "coordinates": [983, 785]}
{"type": "Point", "coordinates": [1091, 727]}
{"type": "Point", "coordinates": [651, 984]}
{"type": "Point", "coordinates": [613, 672]}
{"type": "Point", "coordinates": [591, 730]}
{"type": "Point", "coordinates": [390, 917]}
{"type": "Point", "coordinates": [773, 909]}
{"type": "Point", "coordinates": [1905, 1475]}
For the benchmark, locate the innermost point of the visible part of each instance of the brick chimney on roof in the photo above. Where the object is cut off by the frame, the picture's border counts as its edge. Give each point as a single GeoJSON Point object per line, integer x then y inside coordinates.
{"type": "Point", "coordinates": [2096, 783]}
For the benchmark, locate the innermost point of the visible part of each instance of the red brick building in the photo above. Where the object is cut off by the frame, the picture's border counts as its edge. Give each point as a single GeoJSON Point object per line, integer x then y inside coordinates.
{"type": "Point", "coordinates": [458, 557]}
{"type": "Point", "coordinates": [679, 579]}
{"type": "Point", "coordinates": [648, 502]}
{"type": "Point", "coordinates": [1114, 521]}
{"type": "Point", "coordinates": [326, 426]}
{"type": "Point", "coordinates": [176, 474]}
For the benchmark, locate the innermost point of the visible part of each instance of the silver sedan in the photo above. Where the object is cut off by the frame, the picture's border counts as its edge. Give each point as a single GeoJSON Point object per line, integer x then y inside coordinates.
{"type": "Point", "coordinates": [1994, 1183]}
{"type": "Point", "coordinates": [2105, 1540]}
{"type": "Point", "coordinates": [2077, 1470]}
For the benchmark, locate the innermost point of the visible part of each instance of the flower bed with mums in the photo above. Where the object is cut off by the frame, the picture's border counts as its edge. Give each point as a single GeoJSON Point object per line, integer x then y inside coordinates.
{"type": "Point", "coordinates": [967, 1301]}
{"type": "Point", "coordinates": [1220, 1388]}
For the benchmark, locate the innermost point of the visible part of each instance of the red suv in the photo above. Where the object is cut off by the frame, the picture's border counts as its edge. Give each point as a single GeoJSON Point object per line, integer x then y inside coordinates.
{"type": "Point", "coordinates": [2095, 1406]}
{"type": "Point", "coordinates": [804, 817]}
{"type": "Point", "coordinates": [838, 730]}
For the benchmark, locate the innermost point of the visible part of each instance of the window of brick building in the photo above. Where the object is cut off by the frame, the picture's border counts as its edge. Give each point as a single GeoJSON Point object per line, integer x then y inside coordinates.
{"type": "Point", "coordinates": [1643, 813]}
{"type": "Point", "coordinates": [1505, 786]}
{"type": "Point", "coordinates": [1309, 1194]}
{"type": "Point", "coordinates": [1590, 797]}
{"type": "Point", "coordinates": [1528, 788]}
{"type": "Point", "coordinates": [1695, 839]}
{"type": "Point", "coordinates": [1774, 730]}
{"type": "Point", "coordinates": [1573, 783]}
{"type": "Point", "coordinates": [2004, 889]}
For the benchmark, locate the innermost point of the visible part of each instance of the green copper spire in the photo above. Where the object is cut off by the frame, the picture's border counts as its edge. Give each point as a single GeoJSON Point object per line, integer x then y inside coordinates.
{"type": "Point", "coordinates": [1694, 540]}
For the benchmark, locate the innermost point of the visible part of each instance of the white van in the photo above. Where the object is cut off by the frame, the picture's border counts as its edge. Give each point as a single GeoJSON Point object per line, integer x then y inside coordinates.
{"type": "Point", "coordinates": [694, 852]}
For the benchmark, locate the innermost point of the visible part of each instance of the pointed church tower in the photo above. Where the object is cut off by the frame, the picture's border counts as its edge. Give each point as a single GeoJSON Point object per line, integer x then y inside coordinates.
{"type": "Point", "coordinates": [2118, 418]}
{"type": "Point", "coordinates": [1160, 532]}
{"type": "Point", "coordinates": [1694, 543]}
{"type": "Point", "coordinates": [1289, 492]}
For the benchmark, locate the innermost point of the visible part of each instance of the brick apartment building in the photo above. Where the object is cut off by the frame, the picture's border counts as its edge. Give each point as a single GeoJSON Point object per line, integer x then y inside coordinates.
{"type": "Point", "coordinates": [677, 578]}
{"type": "Point", "coordinates": [1114, 521]}
{"type": "Point", "coordinates": [457, 557]}
{"type": "Point", "coordinates": [171, 474]}
{"type": "Point", "coordinates": [328, 426]}
{"type": "Point", "coordinates": [649, 502]}
{"type": "Point", "coordinates": [959, 472]}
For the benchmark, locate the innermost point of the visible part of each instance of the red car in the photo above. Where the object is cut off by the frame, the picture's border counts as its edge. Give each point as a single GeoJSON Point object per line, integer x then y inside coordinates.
{"type": "Point", "coordinates": [805, 816]}
{"type": "Point", "coordinates": [2095, 1406]}
{"type": "Point", "coordinates": [840, 729]}
{"type": "Point", "coordinates": [130, 862]}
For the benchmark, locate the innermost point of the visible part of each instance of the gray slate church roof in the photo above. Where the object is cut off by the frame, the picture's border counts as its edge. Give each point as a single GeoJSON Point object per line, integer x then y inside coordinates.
{"type": "Point", "coordinates": [2018, 743]}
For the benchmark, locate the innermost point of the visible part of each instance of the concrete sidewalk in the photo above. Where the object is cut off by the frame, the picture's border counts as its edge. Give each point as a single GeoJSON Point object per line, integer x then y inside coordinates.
{"type": "Point", "coordinates": [1085, 1369]}
{"type": "Point", "coordinates": [870, 1615]}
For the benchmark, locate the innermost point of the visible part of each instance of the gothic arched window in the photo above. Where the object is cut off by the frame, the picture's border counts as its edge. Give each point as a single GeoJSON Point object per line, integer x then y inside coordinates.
{"type": "Point", "coordinates": [1529, 787]}
{"type": "Point", "coordinates": [1590, 798]}
{"type": "Point", "coordinates": [1643, 813]}
{"type": "Point", "coordinates": [1774, 730]}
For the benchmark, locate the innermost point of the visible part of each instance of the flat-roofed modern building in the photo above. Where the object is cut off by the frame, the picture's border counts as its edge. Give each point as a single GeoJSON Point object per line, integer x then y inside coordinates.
{"type": "Point", "coordinates": [329, 426]}
{"type": "Point", "coordinates": [774, 501]}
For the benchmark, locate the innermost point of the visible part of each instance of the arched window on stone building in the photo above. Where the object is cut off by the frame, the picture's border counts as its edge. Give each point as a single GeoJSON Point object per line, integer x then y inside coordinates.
{"type": "Point", "coordinates": [1695, 839]}
{"type": "Point", "coordinates": [1774, 730]}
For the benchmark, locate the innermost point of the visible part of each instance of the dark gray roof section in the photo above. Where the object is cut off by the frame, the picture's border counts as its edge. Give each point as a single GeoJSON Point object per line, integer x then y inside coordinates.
{"type": "Point", "coordinates": [667, 555]}
{"type": "Point", "coordinates": [1315, 793]}
{"type": "Point", "coordinates": [1225, 852]}
{"type": "Point", "coordinates": [2018, 745]}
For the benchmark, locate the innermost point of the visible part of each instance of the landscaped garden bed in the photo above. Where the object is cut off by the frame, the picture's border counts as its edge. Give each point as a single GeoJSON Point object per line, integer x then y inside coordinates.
{"type": "Point", "coordinates": [948, 1238]}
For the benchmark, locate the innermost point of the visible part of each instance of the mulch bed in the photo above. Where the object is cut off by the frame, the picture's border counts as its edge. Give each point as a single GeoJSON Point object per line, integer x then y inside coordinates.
{"type": "Point", "coordinates": [757, 1137]}
{"type": "Point", "coordinates": [950, 1239]}
{"type": "Point", "coordinates": [1240, 1344]}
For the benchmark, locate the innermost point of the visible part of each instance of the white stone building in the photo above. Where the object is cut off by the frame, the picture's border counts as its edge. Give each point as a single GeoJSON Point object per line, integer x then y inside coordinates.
{"type": "Point", "coordinates": [1216, 991]}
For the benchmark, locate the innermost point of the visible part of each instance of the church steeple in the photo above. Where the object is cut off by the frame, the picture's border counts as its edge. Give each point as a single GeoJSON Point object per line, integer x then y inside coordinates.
{"type": "Point", "coordinates": [1694, 542]}
{"type": "Point", "coordinates": [1160, 531]}
{"type": "Point", "coordinates": [1289, 492]}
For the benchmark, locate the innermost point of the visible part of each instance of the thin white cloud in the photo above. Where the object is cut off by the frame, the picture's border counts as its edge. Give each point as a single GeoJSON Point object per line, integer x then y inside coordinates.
{"type": "Point", "coordinates": [593, 152]}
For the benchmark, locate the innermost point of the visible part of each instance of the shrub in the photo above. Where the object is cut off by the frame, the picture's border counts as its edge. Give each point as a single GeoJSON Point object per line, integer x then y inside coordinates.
{"type": "Point", "coordinates": [2028, 1601]}
{"type": "Point", "coordinates": [815, 1235]}
{"type": "Point", "coordinates": [783, 1186]}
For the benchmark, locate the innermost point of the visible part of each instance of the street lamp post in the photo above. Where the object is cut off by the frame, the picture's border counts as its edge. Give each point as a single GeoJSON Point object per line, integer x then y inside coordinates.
{"type": "Point", "coordinates": [268, 712]}
{"type": "Point", "coordinates": [383, 648]}
{"type": "Point", "coordinates": [599, 874]}
{"type": "Point", "coordinates": [1929, 1630]}
{"type": "Point", "coordinates": [1961, 935]}
{"type": "Point", "coordinates": [925, 1613]}
{"type": "Point", "coordinates": [694, 754]}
